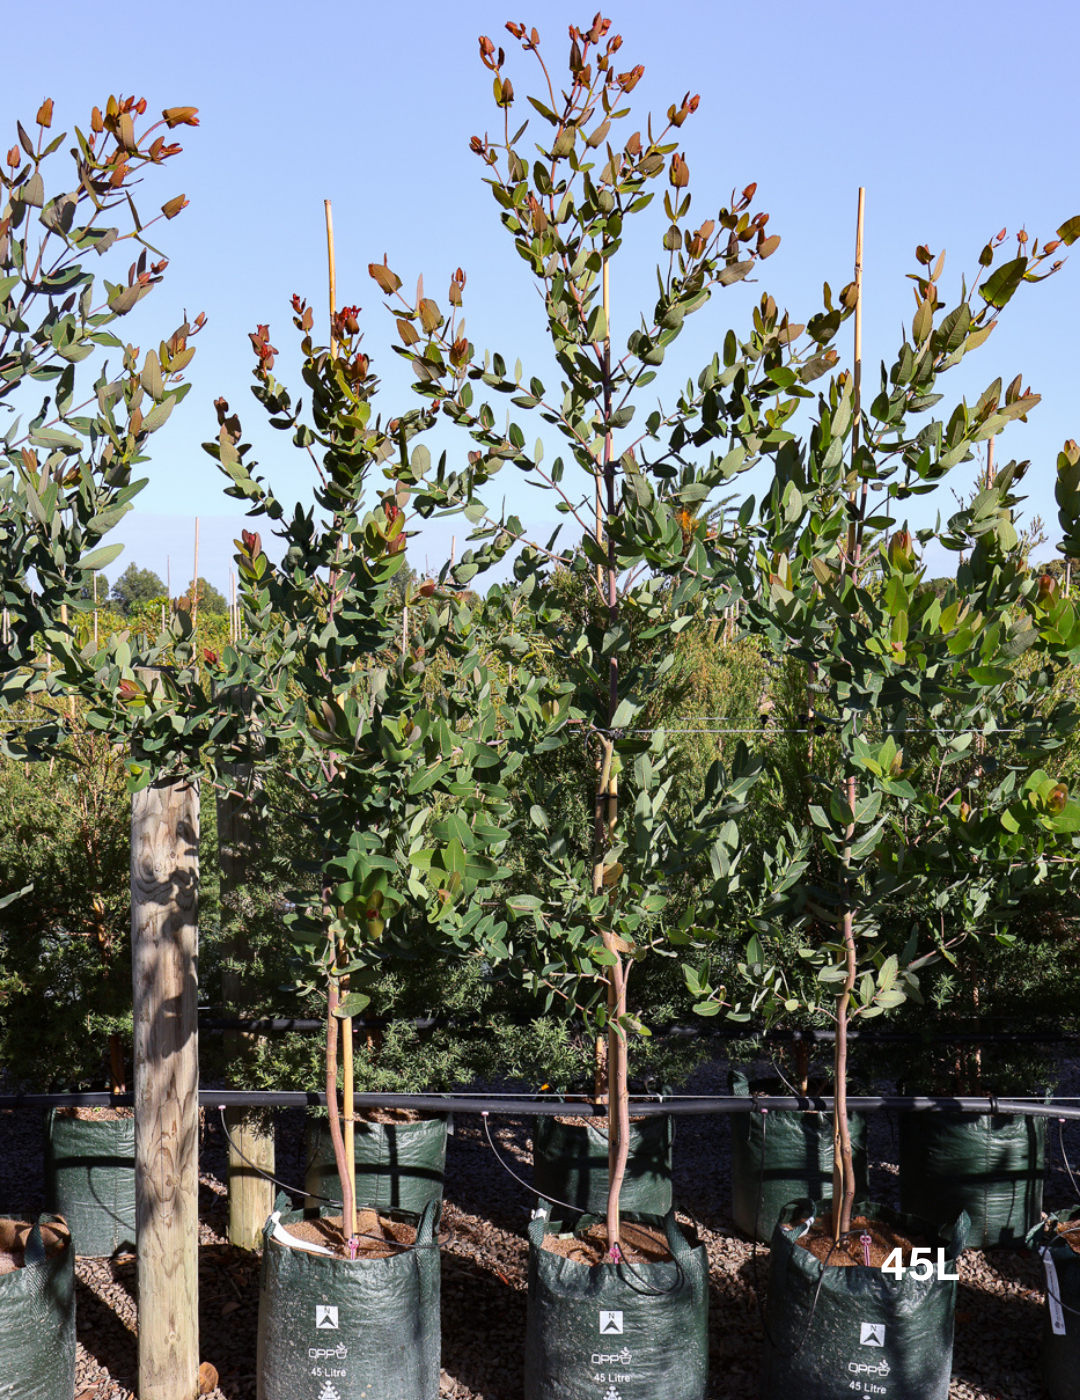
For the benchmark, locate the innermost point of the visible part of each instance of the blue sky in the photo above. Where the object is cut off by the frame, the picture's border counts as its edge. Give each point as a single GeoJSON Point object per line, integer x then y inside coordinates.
{"type": "Point", "coordinates": [958, 118]}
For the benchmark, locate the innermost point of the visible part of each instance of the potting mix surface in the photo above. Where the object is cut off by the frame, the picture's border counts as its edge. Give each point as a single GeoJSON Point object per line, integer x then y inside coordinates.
{"type": "Point", "coordinates": [485, 1265]}
{"type": "Point", "coordinates": [379, 1236]}
{"type": "Point", "coordinates": [640, 1244]}
{"type": "Point", "coordinates": [870, 1238]}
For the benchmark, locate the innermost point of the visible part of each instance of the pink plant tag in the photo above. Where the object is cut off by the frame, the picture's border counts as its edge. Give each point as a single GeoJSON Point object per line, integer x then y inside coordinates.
{"type": "Point", "coordinates": [866, 1241]}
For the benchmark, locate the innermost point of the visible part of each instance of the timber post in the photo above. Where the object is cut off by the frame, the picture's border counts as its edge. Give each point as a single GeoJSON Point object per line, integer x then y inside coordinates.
{"type": "Point", "coordinates": [164, 964]}
{"type": "Point", "coordinates": [251, 1131]}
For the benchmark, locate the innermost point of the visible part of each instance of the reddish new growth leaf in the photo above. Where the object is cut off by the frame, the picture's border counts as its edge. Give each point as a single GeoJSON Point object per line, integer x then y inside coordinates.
{"type": "Point", "coordinates": [388, 281]}
{"type": "Point", "coordinates": [487, 51]}
{"type": "Point", "coordinates": [689, 105]}
{"type": "Point", "coordinates": [45, 111]}
{"type": "Point", "coordinates": [210, 657]}
{"type": "Point", "coordinates": [304, 318]}
{"type": "Point", "coordinates": [180, 116]}
{"type": "Point", "coordinates": [679, 174]}
{"type": "Point", "coordinates": [252, 543]}
{"type": "Point", "coordinates": [231, 425]}
{"type": "Point", "coordinates": [260, 340]}
{"type": "Point", "coordinates": [346, 322]}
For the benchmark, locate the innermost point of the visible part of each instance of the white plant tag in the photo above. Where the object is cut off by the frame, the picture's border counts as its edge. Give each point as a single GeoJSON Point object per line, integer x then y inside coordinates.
{"type": "Point", "coordinates": [282, 1236]}
{"type": "Point", "coordinates": [1053, 1293]}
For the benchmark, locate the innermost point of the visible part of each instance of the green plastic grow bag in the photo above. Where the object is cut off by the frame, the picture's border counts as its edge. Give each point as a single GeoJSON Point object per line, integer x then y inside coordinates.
{"type": "Point", "coordinates": [37, 1321]}
{"type": "Point", "coordinates": [637, 1332]}
{"type": "Point", "coordinates": [861, 1332]}
{"type": "Point", "coordinates": [399, 1166]}
{"type": "Point", "coordinates": [990, 1165]}
{"type": "Point", "coordinates": [90, 1181]}
{"type": "Point", "coordinates": [1060, 1353]}
{"type": "Point", "coordinates": [570, 1165]}
{"type": "Point", "coordinates": [783, 1156]}
{"type": "Point", "coordinates": [354, 1329]}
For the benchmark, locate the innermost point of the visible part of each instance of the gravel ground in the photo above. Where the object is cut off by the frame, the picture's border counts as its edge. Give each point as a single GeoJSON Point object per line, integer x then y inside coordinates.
{"type": "Point", "coordinates": [484, 1262]}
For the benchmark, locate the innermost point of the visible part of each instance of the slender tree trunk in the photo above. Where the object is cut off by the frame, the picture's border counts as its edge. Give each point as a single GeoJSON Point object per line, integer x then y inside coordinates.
{"type": "Point", "coordinates": [348, 1216]}
{"type": "Point", "coordinates": [843, 1164]}
{"type": "Point", "coordinates": [600, 1070]}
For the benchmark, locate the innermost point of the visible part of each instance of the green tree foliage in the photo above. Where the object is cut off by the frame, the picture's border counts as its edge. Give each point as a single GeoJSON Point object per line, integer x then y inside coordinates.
{"type": "Point", "coordinates": [135, 586]}
{"type": "Point", "coordinates": [651, 558]}
{"type": "Point", "coordinates": [933, 787]}
{"type": "Point", "coordinates": [936, 772]}
{"type": "Point", "coordinates": [65, 965]}
{"type": "Point", "coordinates": [398, 798]}
{"type": "Point", "coordinates": [72, 437]}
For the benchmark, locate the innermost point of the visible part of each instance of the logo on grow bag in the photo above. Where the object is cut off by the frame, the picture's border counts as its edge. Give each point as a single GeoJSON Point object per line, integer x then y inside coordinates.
{"type": "Point", "coordinates": [610, 1322]}
{"type": "Point", "coordinates": [329, 1393]}
{"type": "Point", "coordinates": [863, 1368]}
{"type": "Point", "coordinates": [872, 1334]}
{"type": "Point", "coordinates": [325, 1321]}
{"type": "Point", "coordinates": [612, 1394]}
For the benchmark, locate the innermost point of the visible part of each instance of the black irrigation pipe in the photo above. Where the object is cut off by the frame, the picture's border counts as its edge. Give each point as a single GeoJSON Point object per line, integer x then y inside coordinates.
{"type": "Point", "coordinates": [279, 1025]}
{"type": "Point", "coordinates": [518, 1105]}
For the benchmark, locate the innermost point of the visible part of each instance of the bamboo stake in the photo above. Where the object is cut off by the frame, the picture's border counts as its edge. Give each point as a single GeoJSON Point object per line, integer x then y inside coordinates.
{"type": "Point", "coordinates": [854, 532]}
{"type": "Point", "coordinates": [349, 1218]}
{"type": "Point", "coordinates": [332, 278]}
{"type": "Point", "coordinates": [606, 294]}
{"type": "Point", "coordinates": [95, 608]}
{"type": "Point", "coordinates": [195, 581]}
{"type": "Point", "coordinates": [843, 1164]}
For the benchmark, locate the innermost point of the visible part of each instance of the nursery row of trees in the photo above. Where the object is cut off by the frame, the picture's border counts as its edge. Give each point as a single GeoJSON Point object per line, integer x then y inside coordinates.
{"type": "Point", "coordinates": [498, 784]}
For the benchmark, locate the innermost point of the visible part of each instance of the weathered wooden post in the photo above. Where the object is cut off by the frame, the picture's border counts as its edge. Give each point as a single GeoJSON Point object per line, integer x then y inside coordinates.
{"type": "Point", "coordinates": [251, 1131]}
{"type": "Point", "coordinates": [164, 953]}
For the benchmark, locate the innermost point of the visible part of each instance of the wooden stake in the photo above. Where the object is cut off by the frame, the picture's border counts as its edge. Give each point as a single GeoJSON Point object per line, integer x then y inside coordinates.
{"type": "Point", "coordinates": [843, 1165]}
{"type": "Point", "coordinates": [332, 278]}
{"type": "Point", "coordinates": [195, 580]}
{"type": "Point", "coordinates": [251, 1132]}
{"type": "Point", "coordinates": [116, 1064]}
{"type": "Point", "coordinates": [854, 548]}
{"type": "Point", "coordinates": [990, 472]}
{"type": "Point", "coordinates": [606, 295]}
{"type": "Point", "coordinates": [164, 946]}
{"type": "Point", "coordinates": [348, 1143]}
{"type": "Point", "coordinates": [95, 608]}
